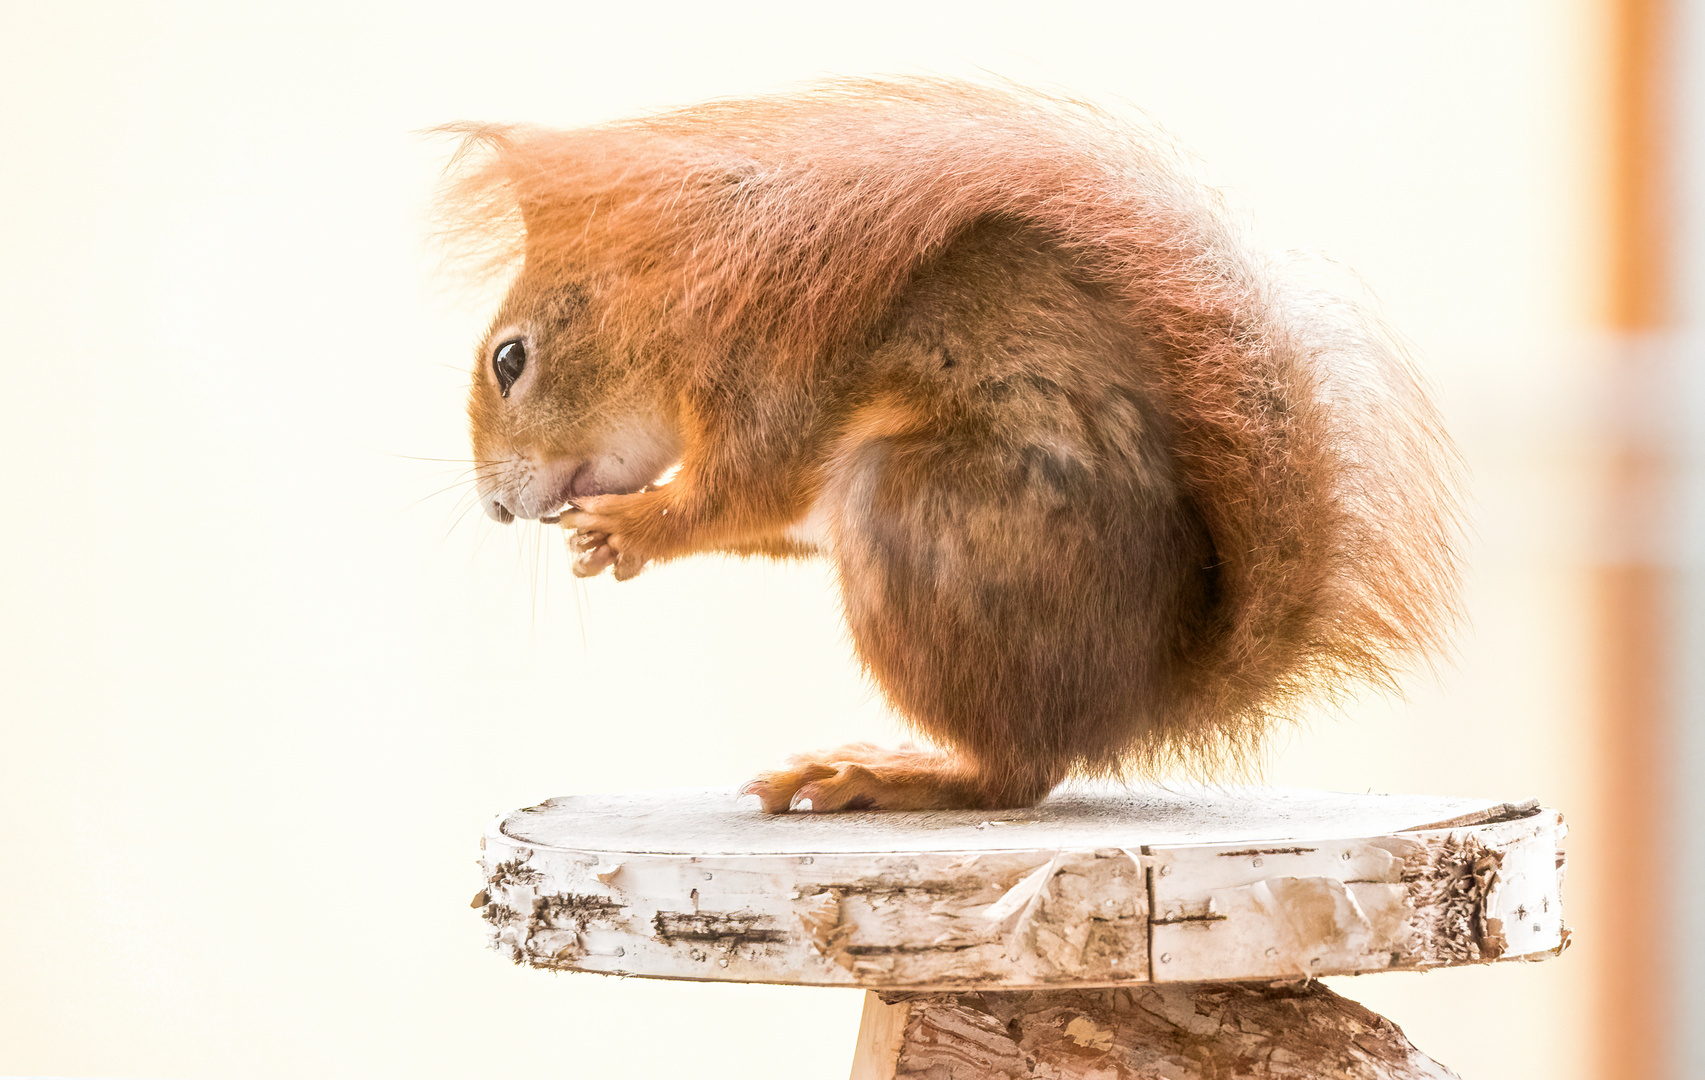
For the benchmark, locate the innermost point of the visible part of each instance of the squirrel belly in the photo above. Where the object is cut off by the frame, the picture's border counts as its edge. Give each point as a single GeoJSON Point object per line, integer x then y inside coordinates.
{"type": "Point", "coordinates": [1103, 490]}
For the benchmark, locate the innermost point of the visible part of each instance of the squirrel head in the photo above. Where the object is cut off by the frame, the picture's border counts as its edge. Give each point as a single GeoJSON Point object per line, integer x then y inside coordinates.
{"type": "Point", "coordinates": [559, 411]}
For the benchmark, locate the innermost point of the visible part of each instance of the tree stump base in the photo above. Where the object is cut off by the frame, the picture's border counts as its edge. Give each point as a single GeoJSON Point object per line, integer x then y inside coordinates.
{"type": "Point", "coordinates": [1183, 1031]}
{"type": "Point", "coordinates": [1170, 933]}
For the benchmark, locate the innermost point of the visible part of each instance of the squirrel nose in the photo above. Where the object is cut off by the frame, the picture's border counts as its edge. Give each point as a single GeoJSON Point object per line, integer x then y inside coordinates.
{"type": "Point", "coordinates": [496, 511]}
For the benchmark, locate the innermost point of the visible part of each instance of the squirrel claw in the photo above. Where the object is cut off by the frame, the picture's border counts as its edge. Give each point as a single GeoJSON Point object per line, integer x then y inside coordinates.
{"type": "Point", "coordinates": [590, 553]}
{"type": "Point", "coordinates": [586, 541]}
{"type": "Point", "coordinates": [775, 800]}
{"type": "Point", "coordinates": [778, 791]}
{"type": "Point", "coordinates": [853, 787]}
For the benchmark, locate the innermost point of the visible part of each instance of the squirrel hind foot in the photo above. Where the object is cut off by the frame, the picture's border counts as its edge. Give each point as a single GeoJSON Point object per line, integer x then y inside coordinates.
{"type": "Point", "coordinates": [863, 776]}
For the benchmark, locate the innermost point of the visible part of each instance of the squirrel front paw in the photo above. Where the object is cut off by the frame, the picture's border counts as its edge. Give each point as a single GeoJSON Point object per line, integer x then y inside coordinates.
{"type": "Point", "coordinates": [603, 535]}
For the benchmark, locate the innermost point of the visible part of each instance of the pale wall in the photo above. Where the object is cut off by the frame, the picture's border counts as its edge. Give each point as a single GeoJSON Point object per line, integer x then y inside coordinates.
{"type": "Point", "coordinates": [265, 675]}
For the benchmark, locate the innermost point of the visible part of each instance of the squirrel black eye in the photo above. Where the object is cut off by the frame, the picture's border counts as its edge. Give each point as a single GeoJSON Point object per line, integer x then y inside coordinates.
{"type": "Point", "coordinates": [507, 365]}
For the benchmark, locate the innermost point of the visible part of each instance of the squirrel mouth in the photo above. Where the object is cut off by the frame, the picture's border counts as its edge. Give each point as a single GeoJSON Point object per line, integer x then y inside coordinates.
{"type": "Point", "coordinates": [581, 484]}
{"type": "Point", "coordinates": [555, 516]}
{"type": "Point", "coordinates": [556, 489]}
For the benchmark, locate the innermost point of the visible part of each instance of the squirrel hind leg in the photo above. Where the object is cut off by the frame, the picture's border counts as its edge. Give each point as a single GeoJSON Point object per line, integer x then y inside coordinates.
{"type": "Point", "coordinates": [1022, 574]}
{"type": "Point", "coordinates": [863, 776]}
{"type": "Point", "coordinates": [1033, 617]}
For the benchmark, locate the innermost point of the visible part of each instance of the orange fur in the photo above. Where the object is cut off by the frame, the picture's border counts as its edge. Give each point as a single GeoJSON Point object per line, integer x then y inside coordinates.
{"type": "Point", "coordinates": [1052, 408]}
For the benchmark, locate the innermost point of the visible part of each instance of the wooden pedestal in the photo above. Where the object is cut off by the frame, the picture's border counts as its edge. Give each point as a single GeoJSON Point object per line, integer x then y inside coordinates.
{"type": "Point", "coordinates": [1169, 933]}
{"type": "Point", "coordinates": [1179, 1031]}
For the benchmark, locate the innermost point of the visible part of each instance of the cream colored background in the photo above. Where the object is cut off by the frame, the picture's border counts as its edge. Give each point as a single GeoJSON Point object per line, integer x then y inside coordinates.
{"type": "Point", "coordinates": [265, 675]}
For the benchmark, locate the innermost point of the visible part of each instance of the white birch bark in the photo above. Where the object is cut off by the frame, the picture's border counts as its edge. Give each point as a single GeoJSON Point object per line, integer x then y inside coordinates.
{"type": "Point", "coordinates": [1087, 890]}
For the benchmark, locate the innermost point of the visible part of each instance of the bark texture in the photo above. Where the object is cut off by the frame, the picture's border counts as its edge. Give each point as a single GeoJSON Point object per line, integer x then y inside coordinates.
{"type": "Point", "coordinates": [1201, 1031]}
{"type": "Point", "coordinates": [1092, 889]}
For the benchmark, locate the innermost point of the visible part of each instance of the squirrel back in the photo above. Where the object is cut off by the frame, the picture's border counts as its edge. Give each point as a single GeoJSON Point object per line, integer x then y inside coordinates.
{"type": "Point", "coordinates": [782, 233]}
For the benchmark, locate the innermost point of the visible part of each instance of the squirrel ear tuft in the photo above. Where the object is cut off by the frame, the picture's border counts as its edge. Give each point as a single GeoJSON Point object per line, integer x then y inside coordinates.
{"type": "Point", "coordinates": [533, 213]}
{"type": "Point", "coordinates": [544, 224]}
{"type": "Point", "coordinates": [541, 227]}
{"type": "Point", "coordinates": [477, 200]}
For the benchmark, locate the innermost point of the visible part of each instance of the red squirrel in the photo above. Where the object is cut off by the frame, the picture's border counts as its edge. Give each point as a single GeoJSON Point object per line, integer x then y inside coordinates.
{"type": "Point", "coordinates": [1103, 488]}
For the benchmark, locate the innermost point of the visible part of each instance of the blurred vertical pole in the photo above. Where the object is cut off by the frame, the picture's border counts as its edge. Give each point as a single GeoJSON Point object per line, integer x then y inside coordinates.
{"type": "Point", "coordinates": [1686, 412]}
{"type": "Point", "coordinates": [1635, 576]}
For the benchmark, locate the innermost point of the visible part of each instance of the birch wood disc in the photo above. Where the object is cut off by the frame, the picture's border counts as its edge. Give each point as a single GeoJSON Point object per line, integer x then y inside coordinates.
{"type": "Point", "coordinates": [1091, 888]}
